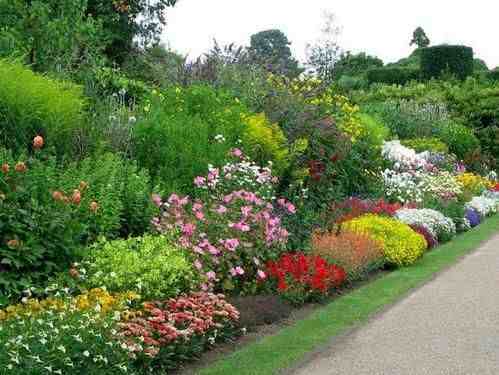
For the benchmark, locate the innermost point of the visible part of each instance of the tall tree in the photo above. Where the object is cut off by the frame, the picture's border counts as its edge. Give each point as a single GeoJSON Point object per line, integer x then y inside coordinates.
{"type": "Point", "coordinates": [323, 54]}
{"type": "Point", "coordinates": [419, 38]}
{"type": "Point", "coordinates": [270, 48]}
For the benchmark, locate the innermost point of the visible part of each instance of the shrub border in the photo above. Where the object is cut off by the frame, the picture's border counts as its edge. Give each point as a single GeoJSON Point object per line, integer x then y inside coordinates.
{"type": "Point", "coordinates": [276, 353]}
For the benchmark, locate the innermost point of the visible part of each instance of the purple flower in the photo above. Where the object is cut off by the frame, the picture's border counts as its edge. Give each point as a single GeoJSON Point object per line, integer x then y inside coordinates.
{"type": "Point", "coordinates": [473, 217]}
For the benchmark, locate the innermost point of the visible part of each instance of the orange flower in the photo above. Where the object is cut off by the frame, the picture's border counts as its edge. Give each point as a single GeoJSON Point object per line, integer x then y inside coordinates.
{"type": "Point", "coordinates": [13, 244]}
{"type": "Point", "coordinates": [38, 142]}
{"type": "Point", "coordinates": [21, 167]}
{"type": "Point", "coordinates": [94, 206]}
{"type": "Point", "coordinates": [5, 168]}
{"type": "Point", "coordinates": [57, 195]}
{"type": "Point", "coordinates": [76, 197]}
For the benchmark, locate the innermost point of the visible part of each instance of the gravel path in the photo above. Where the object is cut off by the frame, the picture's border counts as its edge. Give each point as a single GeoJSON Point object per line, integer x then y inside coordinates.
{"type": "Point", "coordinates": [450, 326]}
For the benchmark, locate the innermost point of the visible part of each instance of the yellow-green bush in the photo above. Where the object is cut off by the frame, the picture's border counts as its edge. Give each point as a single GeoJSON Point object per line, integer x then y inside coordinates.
{"type": "Point", "coordinates": [401, 245]}
{"type": "Point", "coordinates": [426, 144]}
{"type": "Point", "coordinates": [31, 104]}
{"type": "Point", "coordinates": [265, 142]}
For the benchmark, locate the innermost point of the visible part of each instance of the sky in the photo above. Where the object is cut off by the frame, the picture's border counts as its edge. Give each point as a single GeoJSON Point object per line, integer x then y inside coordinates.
{"type": "Point", "coordinates": [382, 28]}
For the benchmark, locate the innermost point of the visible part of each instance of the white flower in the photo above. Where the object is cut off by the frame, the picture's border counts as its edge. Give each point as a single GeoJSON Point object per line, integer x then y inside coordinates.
{"type": "Point", "coordinates": [86, 353]}
{"type": "Point", "coordinates": [435, 222]}
{"type": "Point", "coordinates": [61, 348]}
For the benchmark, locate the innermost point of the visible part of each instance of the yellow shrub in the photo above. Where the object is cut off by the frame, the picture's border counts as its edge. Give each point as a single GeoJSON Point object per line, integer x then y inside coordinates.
{"type": "Point", "coordinates": [265, 142]}
{"type": "Point", "coordinates": [401, 245]}
{"type": "Point", "coordinates": [473, 183]}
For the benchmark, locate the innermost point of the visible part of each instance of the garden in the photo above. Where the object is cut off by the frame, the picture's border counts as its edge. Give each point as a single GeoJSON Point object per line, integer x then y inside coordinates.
{"type": "Point", "coordinates": [150, 207]}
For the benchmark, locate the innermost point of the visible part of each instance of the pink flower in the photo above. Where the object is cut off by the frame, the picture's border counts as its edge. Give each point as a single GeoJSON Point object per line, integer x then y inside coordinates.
{"type": "Point", "coordinates": [231, 244]}
{"type": "Point", "coordinates": [199, 215]}
{"type": "Point", "coordinates": [228, 198]}
{"type": "Point", "coordinates": [199, 181]}
{"type": "Point", "coordinates": [211, 275]}
{"type": "Point", "coordinates": [221, 209]}
{"type": "Point", "coordinates": [198, 264]}
{"type": "Point", "coordinates": [291, 208]}
{"type": "Point", "coordinates": [239, 270]}
{"type": "Point", "coordinates": [261, 274]}
{"type": "Point", "coordinates": [281, 202]}
{"type": "Point", "coordinates": [241, 226]}
{"type": "Point", "coordinates": [156, 198]}
{"type": "Point", "coordinates": [237, 153]}
{"type": "Point", "coordinates": [246, 210]}
{"type": "Point", "coordinates": [188, 229]}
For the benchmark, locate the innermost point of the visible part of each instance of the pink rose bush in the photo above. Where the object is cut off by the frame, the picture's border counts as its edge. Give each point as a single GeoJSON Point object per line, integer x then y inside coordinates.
{"type": "Point", "coordinates": [230, 231]}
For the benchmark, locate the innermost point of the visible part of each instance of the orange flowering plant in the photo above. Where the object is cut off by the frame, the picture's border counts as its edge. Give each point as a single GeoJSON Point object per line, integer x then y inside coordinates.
{"type": "Point", "coordinates": [39, 227]}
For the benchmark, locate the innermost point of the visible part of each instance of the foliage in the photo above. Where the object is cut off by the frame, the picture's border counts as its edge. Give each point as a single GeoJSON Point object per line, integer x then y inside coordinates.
{"type": "Point", "coordinates": [40, 227]}
{"type": "Point", "coordinates": [456, 60]}
{"type": "Point", "coordinates": [182, 130]}
{"type": "Point", "coordinates": [460, 139]}
{"type": "Point", "coordinates": [353, 207]}
{"type": "Point", "coordinates": [270, 48]}
{"type": "Point", "coordinates": [419, 38]}
{"type": "Point", "coordinates": [356, 253]}
{"type": "Point", "coordinates": [149, 265]}
{"type": "Point", "coordinates": [392, 76]}
{"type": "Point", "coordinates": [57, 36]}
{"type": "Point", "coordinates": [168, 332]}
{"type": "Point", "coordinates": [426, 144]}
{"type": "Point", "coordinates": [32, 105]}
{"type": "Point", "coordinates": [401, 245]}
{"type": "Point", "coordinates": [265, 142]}
{"type": "Point", "coordinates": [300, 278]}
{"type": "Point", "coordinates": [354, 65]}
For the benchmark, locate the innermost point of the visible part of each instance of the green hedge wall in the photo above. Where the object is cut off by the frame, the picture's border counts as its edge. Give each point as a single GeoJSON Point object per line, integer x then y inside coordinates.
{"type": "Point", "coordinates": [437, 60]}
{"type": "Point", "coordinates": [392, 76]}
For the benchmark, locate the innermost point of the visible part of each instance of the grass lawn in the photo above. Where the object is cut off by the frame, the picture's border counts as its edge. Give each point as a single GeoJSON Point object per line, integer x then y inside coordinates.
{"type": "Point", "coordinates": [284, 349]}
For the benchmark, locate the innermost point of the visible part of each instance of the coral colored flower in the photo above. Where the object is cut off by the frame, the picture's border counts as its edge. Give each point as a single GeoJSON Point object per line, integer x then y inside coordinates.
{"type": "Point", "coordinates": [38, 142]}
{"type": "Point", "coordinates": [76, 197]}
{"type": "Point", "coordinates": [5, 168]}
{"type": "Point", "coordinates": [20, 167]}
{"type": "Point", "coordinates": [57, 196]}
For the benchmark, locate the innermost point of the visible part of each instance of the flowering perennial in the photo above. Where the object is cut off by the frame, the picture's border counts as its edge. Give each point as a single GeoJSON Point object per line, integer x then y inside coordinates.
{"type": "Point", "coordinates": [440, 226]}
{"type": "Point", "coordinates": [303, 277]}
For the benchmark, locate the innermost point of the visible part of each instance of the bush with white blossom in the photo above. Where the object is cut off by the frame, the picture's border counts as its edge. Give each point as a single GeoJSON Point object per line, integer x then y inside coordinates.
{"type": "Point", "coordinates": [435, 222]}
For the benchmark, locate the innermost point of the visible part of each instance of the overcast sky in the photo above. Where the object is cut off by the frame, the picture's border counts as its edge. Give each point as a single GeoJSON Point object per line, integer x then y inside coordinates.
{"type": "Point", "coordinates": [382, 28]}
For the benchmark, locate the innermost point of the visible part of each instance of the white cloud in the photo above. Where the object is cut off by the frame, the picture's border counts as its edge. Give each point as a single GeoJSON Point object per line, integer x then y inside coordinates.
{"type": "Point", "coordinates": [382, 28]}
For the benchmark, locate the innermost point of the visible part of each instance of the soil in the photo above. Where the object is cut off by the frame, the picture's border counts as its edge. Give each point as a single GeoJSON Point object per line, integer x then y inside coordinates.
{"type": "Point", "coordinates": [263, 316]}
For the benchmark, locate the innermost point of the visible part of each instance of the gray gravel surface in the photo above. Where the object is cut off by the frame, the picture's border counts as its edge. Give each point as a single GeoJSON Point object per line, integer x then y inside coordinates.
{"type": "Point", "coordinates": [450, 326]}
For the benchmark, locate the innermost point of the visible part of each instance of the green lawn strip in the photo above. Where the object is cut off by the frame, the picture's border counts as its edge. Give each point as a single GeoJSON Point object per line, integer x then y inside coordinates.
{"type": "Point", "coordinates": [282, 350]}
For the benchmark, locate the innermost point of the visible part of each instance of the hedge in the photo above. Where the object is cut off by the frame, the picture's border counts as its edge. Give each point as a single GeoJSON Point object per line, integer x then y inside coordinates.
{"type": "Point", "coordinates": [392, 76]}
{"type": "Point", "coordinates": [439, 60]}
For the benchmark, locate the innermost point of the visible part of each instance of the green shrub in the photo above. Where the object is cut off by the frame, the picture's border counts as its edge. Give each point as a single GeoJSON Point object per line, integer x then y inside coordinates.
{"type": "Point", "coordinates": [176, 138]}
{"type": "Point", "coordinates": [426, 144]}
{"type": "Point", "coordinates": [122, 190]}
{"type": "Point", "coordinates": [149, 265]}
{"type": "Point", "coordinates": [445, 59]}
{"type": "Point", "coordinates": [392, 76]}
{"type": "Point", "coordinates": [264, 142]}
{"type": "Point", "coordinates": [460, 139]}
{"type": "Point", "coordinates": [494, 74]}
{"type": "Point", "coordinates": [39, 230]}
{"type": "Point", "coordinates": [31, 105]}
{"type": "Point", "coordinates": [401, 245]}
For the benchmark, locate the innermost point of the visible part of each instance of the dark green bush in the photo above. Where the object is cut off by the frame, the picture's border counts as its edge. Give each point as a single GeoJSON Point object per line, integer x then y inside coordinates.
{"type": "Point", "coordinates": [494, 74]}
{"type": "Point", "coordinates": [460, 139]}
{"type": "Point", "coordinates": [31, 105]}
{"type": "Point", "coordinates": [392, 76]}
{"type": "Point", "coordinates": [176, 137]}
{"type": "Point", "coordinates": [446, 59]}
